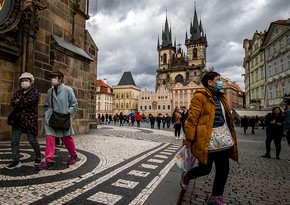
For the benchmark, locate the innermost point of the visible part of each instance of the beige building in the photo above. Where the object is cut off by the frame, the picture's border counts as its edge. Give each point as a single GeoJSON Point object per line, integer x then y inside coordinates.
{"type": "Point", "coordinates": [159, 102]}
{"type": "Point", "coordinates": [41, 36]}
{"type": "Point", "coordinates": [276, 47]}
{"type": "Point", "coordinates": [234, 94]}
{"type": "Point", "coordinates": [126, 95]}
{"type": "Point", "coordinates": [246, 65]}
{"type": "Point", "coordinates": [104, 98]}
{"type": "Point", "coordinates": [182, 95]}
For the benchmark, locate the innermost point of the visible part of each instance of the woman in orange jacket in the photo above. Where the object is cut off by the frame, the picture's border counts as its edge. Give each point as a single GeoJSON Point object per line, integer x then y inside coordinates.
{"type": "Point", "coordinates": [205, 113]}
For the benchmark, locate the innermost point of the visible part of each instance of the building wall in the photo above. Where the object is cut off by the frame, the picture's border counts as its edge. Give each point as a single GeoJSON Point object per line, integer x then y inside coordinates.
{"type": "Point", "coordinates": [257, 72]}
{"type": "Point", "coordinates": [104, 103]}
{"type": "Point", "coordinates": [246, 65]}
{"type": "Point", "coordinates": [155, 103]}
{"type": "Point", "coordinates": [63, 19]}
{"type": "Point", "coordinates": [126, 98]}
{"type": "Point", "coordinates": [277, 53]}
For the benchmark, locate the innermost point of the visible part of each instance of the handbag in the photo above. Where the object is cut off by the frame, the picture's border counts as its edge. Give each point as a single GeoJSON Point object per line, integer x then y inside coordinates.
{"type": "Point", "coordinates": [13, 118]}
{"type": "Point", "coordinates": [221, 138]}
{"type": "Point", "coordinates": [59, 120]}
{"type": "Point", "coordinates": [184, 159]}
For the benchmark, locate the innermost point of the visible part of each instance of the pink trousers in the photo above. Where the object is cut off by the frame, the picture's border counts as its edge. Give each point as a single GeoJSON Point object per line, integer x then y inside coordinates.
{"type": "Point", "coordinates": [50, 145]}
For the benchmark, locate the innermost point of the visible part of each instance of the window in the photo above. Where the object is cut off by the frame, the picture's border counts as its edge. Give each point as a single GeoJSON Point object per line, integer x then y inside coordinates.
{"type": "Point", "coordinates": [141, 107]}
{"type": "Point", "coordinates": [149, 107]}
{"type": "Point", "coordinates": [145, 107]}
{"type": "Point", "coordinates": [274, 47]}
{"type": "Point", "coordinates": [270, 69]}
{"type": "Point", "coordinates": [256, 75]}
{"type": "Point", "coordinates": [158, 107]}
{"type": "Point", "coordinates": [168, 107]}
{"type": "Point", "coordinates": [275, 68]}
{"type": "Point", "coordinates": [277, 91]}
{"type": "Point", "coordinates": [270, 93]}
{"type": "Point", "coordinates": [261, 57]}
{"type": "Point", "coordinates": [257, 93]}
{"type": "Point", "coordinates": [282, 64]}
{"type": "Point", "coordinates": [164, 58]}
{"type": "Point", "coordinates": [262, 73]}
{"type": "Point", "coordinates": [281, 43]}
{"type": "Point", "coordinates": [163, 107]}
{"type": "Point", "coordinates": [283, 89]}
{"type": "Point", "coordinates": [194, 53]}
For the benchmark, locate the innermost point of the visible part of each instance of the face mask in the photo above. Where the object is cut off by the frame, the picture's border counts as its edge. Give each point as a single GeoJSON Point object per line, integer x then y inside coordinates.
{"type": "Point", "coordinates": [219, 85]}
{"type": "Point", "coordinates": [25, 85]}
{"type": "Point", "coordinates": [54, 81]}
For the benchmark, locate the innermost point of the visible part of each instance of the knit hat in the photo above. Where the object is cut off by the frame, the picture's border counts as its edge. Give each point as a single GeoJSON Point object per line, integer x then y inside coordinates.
{"type": "Point", "coordinates": [28, 76]}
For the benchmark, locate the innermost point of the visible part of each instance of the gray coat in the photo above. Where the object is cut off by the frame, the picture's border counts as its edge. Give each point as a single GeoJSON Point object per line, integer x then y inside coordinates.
{"type": "Point", "coordinates": [64, 102]}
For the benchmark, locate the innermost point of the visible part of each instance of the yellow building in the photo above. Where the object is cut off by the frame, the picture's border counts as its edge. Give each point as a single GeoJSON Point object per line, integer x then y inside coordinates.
{"type": "Point", "coordinates": [104, 98]}
{"type": "Point", "coordinates": [126, 95]}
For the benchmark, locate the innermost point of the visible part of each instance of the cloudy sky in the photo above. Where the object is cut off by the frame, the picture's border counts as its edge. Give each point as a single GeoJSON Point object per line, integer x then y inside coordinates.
{"type": "Point", "coordinates": [126, 33]}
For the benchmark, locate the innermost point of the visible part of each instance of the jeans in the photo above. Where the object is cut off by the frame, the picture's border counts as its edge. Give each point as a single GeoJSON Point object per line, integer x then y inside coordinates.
{"type": "Point", "coordinates": [221, 160]}
{"type": "Point", "coordinates": [15, 138]}
{"type": "Point", "coordinates": [277, 141]}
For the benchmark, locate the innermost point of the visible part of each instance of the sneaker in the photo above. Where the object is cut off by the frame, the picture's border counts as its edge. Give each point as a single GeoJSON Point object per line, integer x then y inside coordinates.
{"type": "Point", "coordinates": [14, 165]}
{"type": "Point", "coordinates": [216, 200]}
{"type": "Point", "coordinates": [45, 165]}
{"type": "Point", "coordinates": [72, 160]}
{"type": "Point", "coordinates": [184, 181]}
{"type": "Point", "coordinates": [266, 156]}
{"type": "Point", "coordinates": [37, 161]}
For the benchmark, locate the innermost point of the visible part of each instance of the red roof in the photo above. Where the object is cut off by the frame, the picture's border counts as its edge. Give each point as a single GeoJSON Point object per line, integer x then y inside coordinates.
{"type": "Point", "coordinates": [104, 87]}
{"type": "Point", "coordinates": [282, 22]}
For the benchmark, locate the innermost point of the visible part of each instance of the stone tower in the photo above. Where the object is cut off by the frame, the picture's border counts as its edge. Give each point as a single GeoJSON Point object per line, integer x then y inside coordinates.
{"type": "Point", "coordinates": [176, 66]}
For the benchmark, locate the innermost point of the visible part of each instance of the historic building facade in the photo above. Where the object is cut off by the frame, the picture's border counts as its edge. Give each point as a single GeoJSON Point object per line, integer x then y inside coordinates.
{"type": "Point", "coordinates": [174, 66]}
{"type": "Point", "coordinates": [277, 62]}
{"type": "Point", "coordinates": [257, 72]}
{"type": "Point", "coordinates": [104, 98]}
{"type": "Point", "coordinates": [159, 102]}
{"type": "Point", "coordinates": [126, 95]}
{"type": "Point", "coordinates": [40, 37]}
{"type": "Point", "coordinates": [246, 65]}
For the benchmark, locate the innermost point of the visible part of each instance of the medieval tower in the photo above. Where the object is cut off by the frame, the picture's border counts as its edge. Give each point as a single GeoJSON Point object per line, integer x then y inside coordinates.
{"type": "Point", "coordinates": [174, 66]}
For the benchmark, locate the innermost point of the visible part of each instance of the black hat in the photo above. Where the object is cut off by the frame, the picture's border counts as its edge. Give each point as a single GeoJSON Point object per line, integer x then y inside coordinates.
{"type": "Point", "coordinates": [57, 73]}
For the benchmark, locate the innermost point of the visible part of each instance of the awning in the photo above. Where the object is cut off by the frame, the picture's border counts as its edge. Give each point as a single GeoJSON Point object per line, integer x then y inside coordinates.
{"type": "Point", "coordinates": [250, 113]}
{"type": "Point", "coordinates": [60, 42]}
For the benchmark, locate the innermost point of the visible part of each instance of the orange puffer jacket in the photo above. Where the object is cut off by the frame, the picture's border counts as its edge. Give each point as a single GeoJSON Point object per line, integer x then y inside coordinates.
{"type": "Point", "coordinates": [199, 124]}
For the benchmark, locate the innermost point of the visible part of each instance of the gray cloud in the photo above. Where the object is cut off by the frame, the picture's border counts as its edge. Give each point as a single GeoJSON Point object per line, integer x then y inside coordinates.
{"type": "Point", "coordinates": [126, 33]}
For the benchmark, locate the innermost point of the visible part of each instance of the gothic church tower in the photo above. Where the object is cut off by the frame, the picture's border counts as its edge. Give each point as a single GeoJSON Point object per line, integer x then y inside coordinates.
{"type": "Point", "coordinates": [174, 65]}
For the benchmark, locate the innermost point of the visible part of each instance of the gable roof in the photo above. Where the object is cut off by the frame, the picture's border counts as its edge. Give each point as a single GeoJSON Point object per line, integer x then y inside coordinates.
{"type": "Point", "coordinates": [127, 79]}
{"type": "Point", "coordinates": [104, 88]}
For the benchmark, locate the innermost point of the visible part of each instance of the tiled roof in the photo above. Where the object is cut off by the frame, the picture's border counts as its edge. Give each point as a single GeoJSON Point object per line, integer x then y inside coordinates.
{"type": "Point", "coordinates": [127, 79]}
{"type": "Point", "coordinates": [104, 88]}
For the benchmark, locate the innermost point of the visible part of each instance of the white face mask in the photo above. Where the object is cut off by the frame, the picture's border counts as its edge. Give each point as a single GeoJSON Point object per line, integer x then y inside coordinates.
{"type": "Point", "coordinates": [25, 85]}
{"type": "Point", "coordinates": [54, 81]}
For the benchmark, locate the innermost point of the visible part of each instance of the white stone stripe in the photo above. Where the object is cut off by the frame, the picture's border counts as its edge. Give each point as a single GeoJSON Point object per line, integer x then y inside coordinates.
{"type": "Point", "coordinates": [105, 198]}
{"type": "Point", "coordinates": [74, 194]}
{"type": "Point", "coordinates": [156, 160]}
{"type": "Point", "coordinates": [125, 184]}
{"type": "Point", "coordinates": [161, 156]}
{"type": "Point", "coordinates": [139, 173]}
{"type": "Point", "coordinates": [149, 166]}
{"type": "Point", "coordinates": [166, 153]}
{"type": "Point", "coordinates": [145, 193]}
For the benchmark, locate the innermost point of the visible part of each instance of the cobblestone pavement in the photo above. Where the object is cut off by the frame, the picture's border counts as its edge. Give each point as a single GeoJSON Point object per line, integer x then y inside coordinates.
{"type": "Point", "coordinates": [124, 165]}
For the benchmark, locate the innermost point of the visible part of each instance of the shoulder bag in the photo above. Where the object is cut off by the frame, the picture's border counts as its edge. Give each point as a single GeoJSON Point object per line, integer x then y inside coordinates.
{"type": "Point", "coordinates": [59, 120]}
{"type": "Point", "coordinates": [221, 138]}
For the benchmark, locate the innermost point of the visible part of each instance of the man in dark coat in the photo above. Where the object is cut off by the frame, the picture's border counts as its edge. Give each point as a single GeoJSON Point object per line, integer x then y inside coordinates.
{"type": "Point", "coordinates": [244, 123]}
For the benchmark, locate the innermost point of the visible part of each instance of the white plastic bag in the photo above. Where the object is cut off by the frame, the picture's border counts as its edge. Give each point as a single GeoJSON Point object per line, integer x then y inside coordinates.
{"type": "Point", "coordinates": [184, 158]}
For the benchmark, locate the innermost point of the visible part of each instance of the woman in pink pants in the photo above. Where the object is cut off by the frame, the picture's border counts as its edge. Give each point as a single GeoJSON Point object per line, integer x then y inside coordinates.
{"type": "Point", "coordinates": [60, 98]}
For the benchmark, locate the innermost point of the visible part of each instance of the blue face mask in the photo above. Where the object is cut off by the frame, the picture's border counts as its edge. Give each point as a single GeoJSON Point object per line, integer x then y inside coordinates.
{"type": "Point", "coordinates": [219, 85]}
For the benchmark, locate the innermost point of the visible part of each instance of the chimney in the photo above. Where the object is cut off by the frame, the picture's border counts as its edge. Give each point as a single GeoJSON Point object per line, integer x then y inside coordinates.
{"type": "Point", "coordinates": [105, 80]}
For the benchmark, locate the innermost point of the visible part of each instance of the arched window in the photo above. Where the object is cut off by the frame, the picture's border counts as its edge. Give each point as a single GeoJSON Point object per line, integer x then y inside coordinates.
{"type": "Point", "coordinates": [194, 53]}
{"type": "Point", "coordinates": [179, 79]}
{"type": "Point", "coordinates": [164, 58]}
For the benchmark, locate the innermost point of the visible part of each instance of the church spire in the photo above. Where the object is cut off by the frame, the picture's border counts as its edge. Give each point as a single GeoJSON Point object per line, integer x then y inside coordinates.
{"type": "Point", "coordinates": [195, 29]}
{"type": "Point", "coordinates": [166, 35]}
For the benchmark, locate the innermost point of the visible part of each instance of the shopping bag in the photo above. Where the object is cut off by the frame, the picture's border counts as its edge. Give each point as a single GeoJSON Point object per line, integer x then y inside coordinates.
{"type": "Point", "coordinates": [184, 159]}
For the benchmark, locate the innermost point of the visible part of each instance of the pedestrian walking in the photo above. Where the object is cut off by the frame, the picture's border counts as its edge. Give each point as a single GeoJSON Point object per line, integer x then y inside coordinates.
{"type": "Point", "coordinates": [138, 119]}
{"type": "Point", "coordinates": [177, 123]}
{"type": "Point", "coordinates": [209, 109]}
{"type": "Point", "coordinates": [60, 98]}
{"type": "Point", "coordinates": [121, 118]}
{"type": "Point", "coordinates": [287, 121]}
{"type": "Point", "coordinates": [152, 120]}
{"type": "Point", "coordinates": [158, 120]}
{"type": "Point", "coordinates": [168, 120]}
{"type": "Point", "coordinates": [245, 123]}
{"type": "Point", "coordinates": [252, 124]}
{"type": "Point", "coordinates": [274, 131]}
{"type": "Point", "coordinates": [184, 115]}
{"type": "Point", "coordinates": [163, 121]}
{"type": "Point", "coordinates": [24, 103]}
